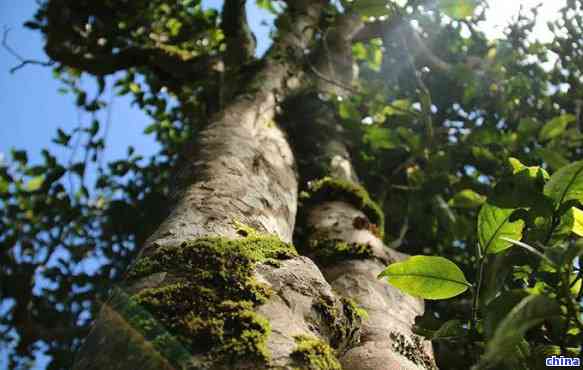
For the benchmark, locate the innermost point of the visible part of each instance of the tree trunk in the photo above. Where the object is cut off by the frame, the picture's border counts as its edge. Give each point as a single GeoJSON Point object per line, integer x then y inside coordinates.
{"type": "Point", "coordinates": [219, 286]}
{"type": "Point", "coordinates": [343, 235]}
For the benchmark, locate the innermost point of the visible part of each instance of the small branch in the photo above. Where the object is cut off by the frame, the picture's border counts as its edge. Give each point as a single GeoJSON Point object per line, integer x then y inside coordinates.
{"type": "Point", "coordinates": [239, 37]}
{"type": "Point", "coordinates": [531, 249]}
{"type": "Point", "coordinates": [23, 61]}
{"type": "Point", "coordinates": [481, 260]}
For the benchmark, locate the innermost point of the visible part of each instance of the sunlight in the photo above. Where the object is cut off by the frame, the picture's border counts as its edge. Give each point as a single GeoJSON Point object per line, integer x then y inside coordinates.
{"type": "Point", "coordinates": [502, 12]}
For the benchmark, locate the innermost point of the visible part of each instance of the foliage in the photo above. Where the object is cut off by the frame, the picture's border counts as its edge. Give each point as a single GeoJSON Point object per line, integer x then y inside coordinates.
{"type": "Point", "coordinates": [510, 316]}
{"type": "Point", "coordinates": [458, 156]}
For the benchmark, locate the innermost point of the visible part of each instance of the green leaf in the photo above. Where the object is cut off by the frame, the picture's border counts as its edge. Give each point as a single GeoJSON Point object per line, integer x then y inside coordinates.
{"type": "Point", "coordinates": [267, 5]}
{"type": "Point", "coordinates": [484, 157]}
{"type": "Point", "coordinates": [381, 138]}
{"type": "Point", "coordinates": [94, 129]}
{"type": "Point", "coordinates": [78, 168]}
{"type": "Point", "coordinates": [577, 215]}
{"type": "Point", "coordinates": [135, 88]}
{"type": "Point", "coordinates": [20, 156]}
{"type": "Point", "coordinates": [174, 26]}
{"type": "Point", "coordinates": [62, 138]}
{"type": "Point", "coordinates": [375, 59]}
{"type": "Point", "coordinates": [555, 127]}
{"type": "Point", "coordinates": [4, 186]}
{"type": "Point", "coordinates": [150, 128]}
{"type": "Point", "coordinates": [458, 9]}
{"type": "Point", "coordinates": [398, 107]}
{"type": "Point", "coordinates": [467, 198]}
{"type": "Point", "coordinates": [494, 222]}
{"type": "Point", "coordinates": [528, 128]}
{"type": "Point", "coordinates": [35, 183]}
{"type": "Point", "coordinates": [534, 172]}
{"type": "Point", "coordinates": [427, 277]}
{"type": "Point", "coordinates": [371, 8]}
{"type": "Point", "coordinates": [359, 51]}
{"type": "Point", "coordinates": [524, 315]}
{"type": "Point", "coordinates": [551, 157]}
{"type": "Point", "coordinates": [347, 110]}
{"type": "Point", "coordinates": [566, 184]}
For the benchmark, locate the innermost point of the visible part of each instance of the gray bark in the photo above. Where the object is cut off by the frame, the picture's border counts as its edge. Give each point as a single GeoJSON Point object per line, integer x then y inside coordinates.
{"type": "Point", "coordinates": [387, 340]}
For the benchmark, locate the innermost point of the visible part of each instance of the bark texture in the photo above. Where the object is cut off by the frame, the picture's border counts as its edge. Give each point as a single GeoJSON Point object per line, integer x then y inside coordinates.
{"type": "Point", "coordinates": [218, 285]}
{"type": "Point", "coordinates": [202, 294]}
{"type": "Point", "coordinates": [346, 243]}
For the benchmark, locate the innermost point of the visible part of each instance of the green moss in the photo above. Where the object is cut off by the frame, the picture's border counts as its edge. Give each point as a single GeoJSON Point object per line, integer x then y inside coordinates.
{"type": "Point", "coordinates": [356, 311]}
{"type": "Point", "coordinates": [208, 305]}
{"type": "Point", "coordinates": [330, 251]}
{"type": "Point", "coordinates": [256, 248]}
{"type": "Point", "coordinates": [314, 354]}
{"type": "Point", "coordinates": [329, 188]}
{"type": "Point", "coordinates": [343, 321]}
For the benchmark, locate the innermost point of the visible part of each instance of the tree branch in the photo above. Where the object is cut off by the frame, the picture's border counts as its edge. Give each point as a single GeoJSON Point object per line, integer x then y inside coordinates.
{"type": "Point", "coordinates": [23, 61]}
{"type": "Point", "coordinates": [240, 40]}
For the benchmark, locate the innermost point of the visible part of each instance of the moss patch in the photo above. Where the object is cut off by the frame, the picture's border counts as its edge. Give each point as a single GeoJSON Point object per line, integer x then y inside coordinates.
{"type": "Point", "coordinates": [343, 321]}
{"type": "Point", "coordinates": [314, 354]}
{"type": "Point", "coordinates": [329, 188]}
{"type": "Point", "coordinates": [330, 251]}
{"type": "Point", "coordinates": [412, 350]}
{"type": "Point", "coordinates": [207, 303]}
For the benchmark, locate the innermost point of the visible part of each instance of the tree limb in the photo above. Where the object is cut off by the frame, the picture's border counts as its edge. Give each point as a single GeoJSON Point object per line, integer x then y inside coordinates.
{"type": "Point", "coordinates": [239, 37]}
{"type": "Point", "coordinates": [23, 61]}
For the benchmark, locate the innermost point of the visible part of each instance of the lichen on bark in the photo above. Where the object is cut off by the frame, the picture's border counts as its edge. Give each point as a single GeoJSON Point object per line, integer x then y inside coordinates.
{"type": "Point", "coordinates": [412, 349]}
{"type": "Point", "coordinates": [342, 321]}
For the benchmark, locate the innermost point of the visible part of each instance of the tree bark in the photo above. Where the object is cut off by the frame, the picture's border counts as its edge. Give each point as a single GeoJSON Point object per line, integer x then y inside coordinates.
{"type": "Point", "coordinates": [343, 235]}
{"type": "Point", "coordinates": [217, 285]}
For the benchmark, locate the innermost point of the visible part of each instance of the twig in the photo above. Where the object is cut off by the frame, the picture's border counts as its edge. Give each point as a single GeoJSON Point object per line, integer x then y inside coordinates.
{"type": "Point", "coordinates": [23, 61]}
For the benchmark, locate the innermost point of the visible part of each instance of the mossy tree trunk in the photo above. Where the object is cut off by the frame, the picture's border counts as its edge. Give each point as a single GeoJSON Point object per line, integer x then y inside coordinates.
{"type": "Point", "coordinates": [342, 232]}
{"type": "Point", "coordinates": [218, 285]}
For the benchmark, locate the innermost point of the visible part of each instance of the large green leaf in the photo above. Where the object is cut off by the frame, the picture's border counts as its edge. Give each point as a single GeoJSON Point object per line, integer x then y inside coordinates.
{"type": "Point", "coordinates": [570, 222]}
{"type": "Point", "coordinates": [552, 157]}
{"type": "Point", "coordinates": [493, 223]}
{"type": "Point", "coordinates": [566, 184]}
{"type": "Point", "coordinates": [458, 9]}
{"type": "Point", "coordinates": [555, 127]}
{"type": "Point", "coordinates": [499, 308]}
{"type": "Point", "coordinates": [427, 277]}
{"type": "Point", "coordinates": [526, 314]}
